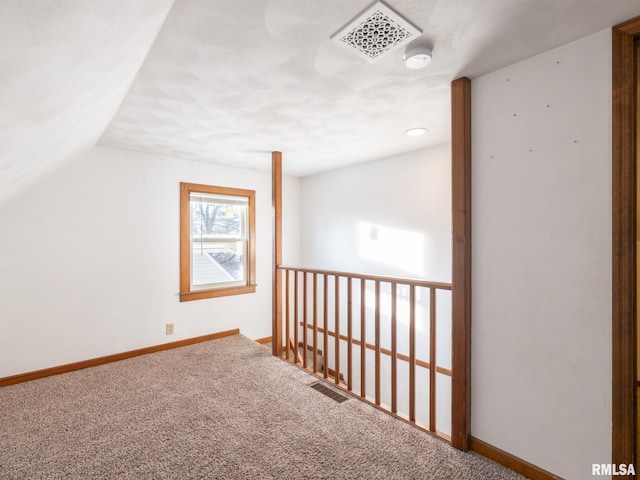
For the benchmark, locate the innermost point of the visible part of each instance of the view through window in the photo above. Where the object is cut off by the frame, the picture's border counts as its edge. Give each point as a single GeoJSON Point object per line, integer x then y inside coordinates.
{"type": "Point", "coordinates": [217, 246]}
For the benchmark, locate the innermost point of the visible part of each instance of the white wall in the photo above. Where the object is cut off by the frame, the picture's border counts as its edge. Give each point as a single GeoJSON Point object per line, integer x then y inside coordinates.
{"type": "Point", "coordinates": [541, 336]}
{"type": "Point", "coordinates": [388, 217]}
{"type": "Point", "coordinates": [408, 199]}
{"type": "Point", "coordinates": [90, 260]}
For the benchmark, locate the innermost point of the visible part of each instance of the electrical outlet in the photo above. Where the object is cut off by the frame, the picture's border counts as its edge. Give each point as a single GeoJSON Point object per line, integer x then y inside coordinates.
{"type": "Point", "coordinates": [169, 328]}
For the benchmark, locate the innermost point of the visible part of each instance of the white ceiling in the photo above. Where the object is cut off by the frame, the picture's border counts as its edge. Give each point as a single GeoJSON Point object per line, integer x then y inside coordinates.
{"type": "Point", "coordinates": [65, 67]}
{"type": "Point", "coordinates": [230, 81]}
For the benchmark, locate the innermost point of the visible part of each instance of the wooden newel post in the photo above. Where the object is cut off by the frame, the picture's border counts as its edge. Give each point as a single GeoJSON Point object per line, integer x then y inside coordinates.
{"type": "Point", "coordinates": [276, 193]}
{"type": "Point", "coordinates": [461, 272]}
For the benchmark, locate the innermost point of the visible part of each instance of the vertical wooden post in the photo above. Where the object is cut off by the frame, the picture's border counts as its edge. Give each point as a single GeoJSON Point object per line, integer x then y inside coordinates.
{"type": "Point", "coordinates": [276, 198]}
{"type": "Point", "coordinates": [626, 70]}
{"type": "Point", "coordinates": [461, 271]}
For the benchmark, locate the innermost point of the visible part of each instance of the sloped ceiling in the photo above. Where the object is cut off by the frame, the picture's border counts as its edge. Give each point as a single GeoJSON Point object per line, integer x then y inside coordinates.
{"type": "Point", "coordinates": [229, 81]}
{"type": "Point", "coordinates": [65, 67]}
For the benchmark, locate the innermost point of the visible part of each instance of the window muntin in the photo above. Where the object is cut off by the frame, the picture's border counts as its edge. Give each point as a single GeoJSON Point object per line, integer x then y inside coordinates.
{"type": "Point", "coordinates": [217, 241]}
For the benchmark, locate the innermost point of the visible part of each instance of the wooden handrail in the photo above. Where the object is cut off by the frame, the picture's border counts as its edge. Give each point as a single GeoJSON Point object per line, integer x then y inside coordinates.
{"type": "Point", "coordinates": [376, 278]}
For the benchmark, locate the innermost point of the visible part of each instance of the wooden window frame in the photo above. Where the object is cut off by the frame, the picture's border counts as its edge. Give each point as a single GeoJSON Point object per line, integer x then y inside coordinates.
{"type": "Point", "coordinates": [186, 293]}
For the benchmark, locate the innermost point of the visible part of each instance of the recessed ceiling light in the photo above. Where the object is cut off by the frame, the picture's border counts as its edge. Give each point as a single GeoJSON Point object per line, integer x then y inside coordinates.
{"type": "Point", "coordinates": [414, 132]}
{"type": "Point", "coordinates": [418, 57]}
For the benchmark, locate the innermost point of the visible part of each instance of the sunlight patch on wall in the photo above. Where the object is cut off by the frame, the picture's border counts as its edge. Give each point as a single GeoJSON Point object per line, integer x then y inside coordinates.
{"type": "Point", "coordinates": [393, 247]}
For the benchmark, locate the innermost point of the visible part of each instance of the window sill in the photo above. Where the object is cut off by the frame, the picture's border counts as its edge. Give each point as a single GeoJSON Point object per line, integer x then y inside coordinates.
{"type": "Point", "coordinates": [220, 292]}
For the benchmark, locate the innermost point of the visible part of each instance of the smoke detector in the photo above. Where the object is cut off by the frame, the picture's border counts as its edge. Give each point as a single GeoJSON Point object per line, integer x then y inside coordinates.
{"type": "Point", "coordinates": [418, 57]}
{"type": "Point", "coordinates": [375, 32]}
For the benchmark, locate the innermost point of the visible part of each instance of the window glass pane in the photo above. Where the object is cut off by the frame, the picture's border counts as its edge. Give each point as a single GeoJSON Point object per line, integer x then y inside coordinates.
{"type": "Point", "coordinates": [218, 240]}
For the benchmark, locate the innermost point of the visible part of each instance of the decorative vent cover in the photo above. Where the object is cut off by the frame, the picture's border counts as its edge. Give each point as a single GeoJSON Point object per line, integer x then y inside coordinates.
{"type": "Point", "coordinates": [375, 32]}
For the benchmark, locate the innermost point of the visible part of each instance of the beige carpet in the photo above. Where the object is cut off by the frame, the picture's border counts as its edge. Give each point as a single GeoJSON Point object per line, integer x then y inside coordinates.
{"type": "Point", "coordinates": [224, 409]}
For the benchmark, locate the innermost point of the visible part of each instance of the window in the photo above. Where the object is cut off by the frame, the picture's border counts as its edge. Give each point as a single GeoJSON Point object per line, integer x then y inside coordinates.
{"type": "Point", "coordinates": [217, 241]}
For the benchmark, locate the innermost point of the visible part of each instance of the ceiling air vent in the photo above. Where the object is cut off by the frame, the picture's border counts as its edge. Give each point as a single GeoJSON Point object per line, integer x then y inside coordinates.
{"type": "Point", "coordinates": [375, 32]}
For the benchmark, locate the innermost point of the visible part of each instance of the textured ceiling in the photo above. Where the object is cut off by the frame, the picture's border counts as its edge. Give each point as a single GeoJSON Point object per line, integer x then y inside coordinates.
{"type": "Point", "coordinates": [229, 81]}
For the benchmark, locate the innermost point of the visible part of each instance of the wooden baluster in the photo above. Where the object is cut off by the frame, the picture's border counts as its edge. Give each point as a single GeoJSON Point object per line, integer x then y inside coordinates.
{"type": "Point", "coordinates": [336, 320]}
{"type": "Point", "coordinates": [295, 315]}
{"type": "Point", "coordinates": [325, 322]}
{"type": "Point", "coordinates": [315, 323]}
{"type": "Point", "coordinates": [412, 353]}
{"type": "Point", "coordinates": [377, 341]}
{"type": "Point", "coordinates": [304, 319]}
{"type": "Point", "coordinates": [394, 351]}
{"type": "Point", "coordinates": [363, 339]}
{"type": "Point", "coordinates": [287, 341]}
{"type": "Point", "coordinates": [376, 347]}
{"type": "Point", "coordinates": [432, 360]}
{"type": "Point", "coordinates": [349, 333]}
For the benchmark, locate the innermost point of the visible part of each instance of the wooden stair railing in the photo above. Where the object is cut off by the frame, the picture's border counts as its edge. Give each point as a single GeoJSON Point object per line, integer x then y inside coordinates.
{"type": "Point", "coordinates": [305, 329]}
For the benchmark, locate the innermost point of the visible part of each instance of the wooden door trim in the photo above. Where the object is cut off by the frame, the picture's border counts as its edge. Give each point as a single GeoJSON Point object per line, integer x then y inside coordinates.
{"type": "Point", "coordinates": [624, 116]}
